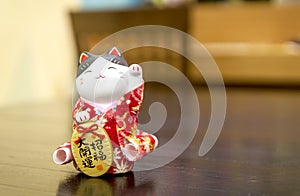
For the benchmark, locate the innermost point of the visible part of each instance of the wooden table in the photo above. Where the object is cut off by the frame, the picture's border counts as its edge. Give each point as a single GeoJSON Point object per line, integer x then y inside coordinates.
{"type": "Point", "coordinates": [257, 152]}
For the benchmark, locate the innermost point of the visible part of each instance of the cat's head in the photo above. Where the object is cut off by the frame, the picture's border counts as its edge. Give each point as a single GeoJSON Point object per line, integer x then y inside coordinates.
{"type": "Point", "coordinates": [100, 79]}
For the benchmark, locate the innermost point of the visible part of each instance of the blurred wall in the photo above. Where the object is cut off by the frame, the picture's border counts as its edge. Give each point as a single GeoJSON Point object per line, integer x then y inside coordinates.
{"type": "Point", "coordinates": [37, 50]}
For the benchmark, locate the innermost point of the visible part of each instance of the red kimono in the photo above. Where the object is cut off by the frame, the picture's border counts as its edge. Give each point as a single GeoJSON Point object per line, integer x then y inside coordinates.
{"type": "Point", "coordinates": [119, 123]}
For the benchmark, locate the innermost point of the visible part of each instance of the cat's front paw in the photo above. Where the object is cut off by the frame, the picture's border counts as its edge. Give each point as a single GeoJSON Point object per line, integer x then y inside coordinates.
{"type": "Point", "coordinates": [135, 70]}
{"type": "Point", "coordinates": [82, 116]}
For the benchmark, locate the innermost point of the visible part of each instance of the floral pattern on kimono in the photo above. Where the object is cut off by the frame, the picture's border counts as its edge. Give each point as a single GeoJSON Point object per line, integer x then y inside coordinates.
{"type": "Point", "coordinates": [120, 122]}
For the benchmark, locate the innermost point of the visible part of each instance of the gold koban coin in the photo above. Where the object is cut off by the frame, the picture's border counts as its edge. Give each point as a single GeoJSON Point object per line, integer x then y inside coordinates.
{"type": "Point", "coordinates": [92, 150]}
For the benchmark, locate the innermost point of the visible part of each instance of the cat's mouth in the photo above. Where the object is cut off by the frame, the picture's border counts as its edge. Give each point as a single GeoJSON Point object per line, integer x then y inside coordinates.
{"type": "Point", "coordinates": [100, 76]}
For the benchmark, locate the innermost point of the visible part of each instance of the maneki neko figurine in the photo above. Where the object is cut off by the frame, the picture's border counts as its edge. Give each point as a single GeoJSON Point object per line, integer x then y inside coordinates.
{"type": "Point", "coordinates": [106, 138]}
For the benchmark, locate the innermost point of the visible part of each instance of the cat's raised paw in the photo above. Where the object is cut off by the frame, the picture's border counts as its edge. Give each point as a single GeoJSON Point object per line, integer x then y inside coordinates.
{"type": "Point", "coordinates": [135, 70]}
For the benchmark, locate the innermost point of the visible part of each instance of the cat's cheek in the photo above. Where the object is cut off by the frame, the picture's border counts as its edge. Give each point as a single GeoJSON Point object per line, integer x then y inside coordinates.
{"type": "Point", "coordinates": [81, 82]}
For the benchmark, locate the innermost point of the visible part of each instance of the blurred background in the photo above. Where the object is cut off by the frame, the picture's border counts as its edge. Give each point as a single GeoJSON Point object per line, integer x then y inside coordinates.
{"type": "Point", "coordinates": [254, 43]}
{"type": "Point", "coordinates": [38, 48]}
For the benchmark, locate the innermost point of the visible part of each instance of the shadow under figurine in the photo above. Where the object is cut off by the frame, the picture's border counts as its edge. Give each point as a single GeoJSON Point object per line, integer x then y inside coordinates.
{"type": "Point", "coordinates": [105, 136]}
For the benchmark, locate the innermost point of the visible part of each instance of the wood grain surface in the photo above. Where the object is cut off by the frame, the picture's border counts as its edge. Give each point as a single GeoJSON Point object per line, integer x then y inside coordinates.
{"type": "Point", "coordinates": [257, 152]}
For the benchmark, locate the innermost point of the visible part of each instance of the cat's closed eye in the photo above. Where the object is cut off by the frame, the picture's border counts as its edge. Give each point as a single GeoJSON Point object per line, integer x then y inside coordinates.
{"type": "Point", "coordinates": [111, 68]}
{"type": "Point", "coordinates": [87, 71]}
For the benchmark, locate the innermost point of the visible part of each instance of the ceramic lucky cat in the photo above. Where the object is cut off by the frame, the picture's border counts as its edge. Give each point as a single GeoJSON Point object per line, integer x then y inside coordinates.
{"type": "Point", "coordinates": [105, 136]}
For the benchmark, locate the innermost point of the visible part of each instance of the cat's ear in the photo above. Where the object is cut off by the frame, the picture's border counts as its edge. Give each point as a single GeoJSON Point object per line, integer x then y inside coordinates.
{"type": "Point", "coordinates": [85, 60]}
{"type": "Point", "coordinates": [83, 57]}
{"type": "Point", "coordinates": [115, 51]}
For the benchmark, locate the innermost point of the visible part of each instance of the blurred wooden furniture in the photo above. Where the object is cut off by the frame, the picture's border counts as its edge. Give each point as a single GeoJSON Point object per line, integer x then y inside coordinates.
{"type": "Point", "coordinates": [90, 27]}
{"type": "Point", "coordinates": [244, 22]}
{"type": "Point", "coordinates": [249, 42]}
